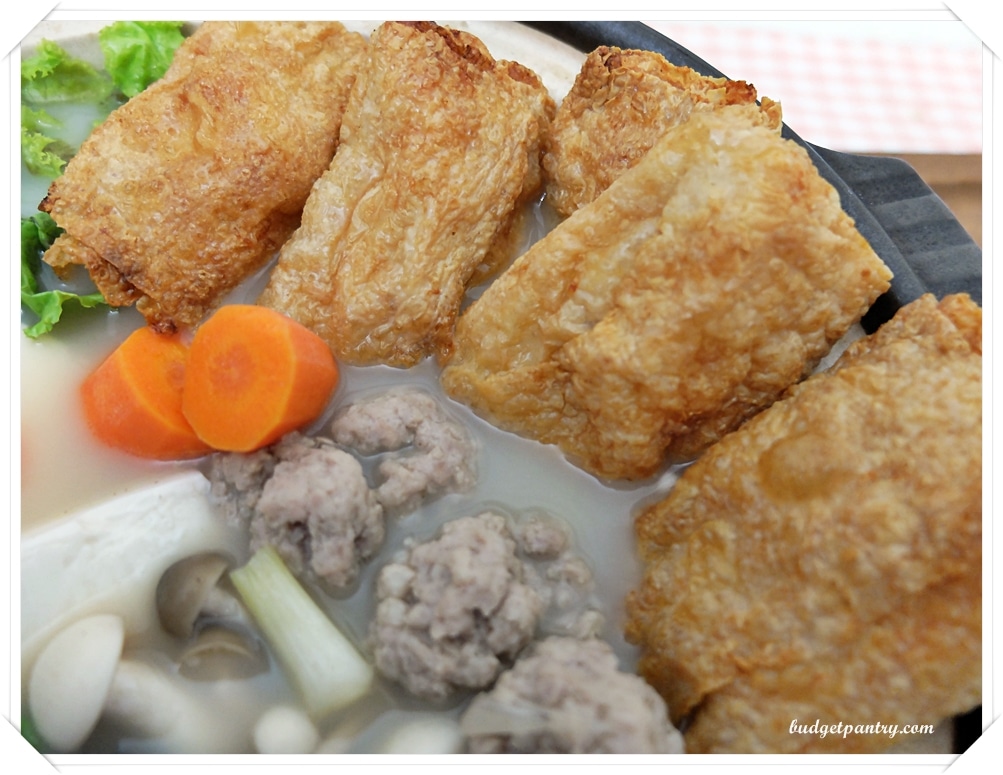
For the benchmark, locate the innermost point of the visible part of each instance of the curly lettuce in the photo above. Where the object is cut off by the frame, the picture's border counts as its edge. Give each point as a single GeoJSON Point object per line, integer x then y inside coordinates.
{"type": "Point", "coordinates": [51, 77]}
{"type": "Point", "coordinates": [37, 233]}
{"type": "Point", "coordinates": [42, 152]}
{"type": "Point", "coordinates": [138, 53]}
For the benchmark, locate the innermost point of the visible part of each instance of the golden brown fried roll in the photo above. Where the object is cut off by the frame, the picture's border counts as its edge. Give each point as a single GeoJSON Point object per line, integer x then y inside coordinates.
{"type": "Point", "coordinates": [440, 148]}
{"type": "Point", "coordinates": [192, 185]}
{"type": "Point", "coordinates": [918, 666]}
{"type": "Point", "coordinates": [824, 561]}
{"type": "Point", "coordinates": [704, 281]}
{"type": "Point", "coordinates": [622, 101]}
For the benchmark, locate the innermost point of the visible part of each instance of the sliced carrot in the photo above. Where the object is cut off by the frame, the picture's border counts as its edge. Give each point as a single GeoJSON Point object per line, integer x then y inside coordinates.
{"type": "Point", "coordinates": [132, 400]}
{"type": "Point", "coordinates": [253, 375]}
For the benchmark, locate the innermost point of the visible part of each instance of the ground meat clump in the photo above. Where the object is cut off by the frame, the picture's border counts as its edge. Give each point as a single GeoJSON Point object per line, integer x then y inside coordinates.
{"type": "Point", "coordinates": [423, 451]}
{"type": "Point", "coordinates": [236, 479]}
{"type": "Point", "coordinates": [308, 499]}
{"type": "Point", "coordinates": [560, 576]}
{"type": "Point", "coordinates": [567, 695]}
{"type": "Point", "coordinates": [454, 611]}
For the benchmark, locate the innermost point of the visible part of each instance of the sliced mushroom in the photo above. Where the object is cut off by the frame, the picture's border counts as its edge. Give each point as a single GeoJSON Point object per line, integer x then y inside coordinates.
{"type": "Point", "coordinates": [220, 651]}
{"type": "Point", "coordinates": [190, 587]}
{"type": "Point", "coordinates": [71, 679]}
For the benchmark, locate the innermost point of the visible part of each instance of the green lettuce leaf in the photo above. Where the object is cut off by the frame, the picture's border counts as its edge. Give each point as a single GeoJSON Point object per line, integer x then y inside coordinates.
{"type": "Point", "coordinates": [138, 53]}
{"type": "Point", "coordinates": [52, 75]}
{"type": "Point", "coordinates": [37, 233]}
{"type": "Point", "coordinates": [42, 153]}
{"type": "Point", "coordinates": [38, 120]}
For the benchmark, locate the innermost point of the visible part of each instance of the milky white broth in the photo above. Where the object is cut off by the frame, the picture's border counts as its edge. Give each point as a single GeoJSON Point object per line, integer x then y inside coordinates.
{"type": "Point", "coordinates": [64, 470]}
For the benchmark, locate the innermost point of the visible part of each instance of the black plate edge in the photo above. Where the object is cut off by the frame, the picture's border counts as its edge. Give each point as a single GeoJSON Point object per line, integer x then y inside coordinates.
{"type": "Point", "coordinates": [906, 223]}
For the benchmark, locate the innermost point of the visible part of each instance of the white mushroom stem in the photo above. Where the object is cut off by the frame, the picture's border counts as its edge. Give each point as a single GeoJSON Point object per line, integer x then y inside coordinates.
{"type": "Point", "coordinates": [71, 678]}
{"type": "Point", "coordinates": [284, 729]}
{"type": "Point", "coordinates": [220, 604]}
{"type": "Point", "coordinates": [432, 735]}
{"type": "Point", "coordinates": [80, 678]}
{"type": "Point", "coordinates": [144, 701]}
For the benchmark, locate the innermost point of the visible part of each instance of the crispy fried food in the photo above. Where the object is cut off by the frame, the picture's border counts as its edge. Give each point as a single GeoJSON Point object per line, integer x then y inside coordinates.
{"type": "Point", "coordinates": [622, 101]}
{"type": "Point", "coordinates": [702, 283]}
{"type": "Point", "coordinates": [920, 665]}
{"type": "Point", "coordinates": [192, 185]}
{"type": "Point", "coordinates": [440, 148]}
{"type": "Point", "coordinates": [824, 561]}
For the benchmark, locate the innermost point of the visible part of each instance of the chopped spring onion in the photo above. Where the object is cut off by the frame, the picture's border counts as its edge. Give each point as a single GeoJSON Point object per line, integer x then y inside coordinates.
{"type": "Point", "coordinates": [319, 660]}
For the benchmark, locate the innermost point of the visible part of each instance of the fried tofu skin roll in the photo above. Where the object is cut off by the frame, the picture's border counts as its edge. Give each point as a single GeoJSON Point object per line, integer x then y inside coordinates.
{"type": "Point", "coordinates": [701, 284]}
{"type": "Point", "coordinates": [191, 186]}
{"type": "Point", "coordinates": [622, 101]}
{"type": "Point", "coordinates": [439, 151]}
{"type": "Point", "coordinates": [824, 562]}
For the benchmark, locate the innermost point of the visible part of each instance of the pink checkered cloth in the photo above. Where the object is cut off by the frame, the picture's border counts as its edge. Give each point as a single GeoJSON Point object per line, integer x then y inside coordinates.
{"type": "Point", "coordinates": [863, 96]}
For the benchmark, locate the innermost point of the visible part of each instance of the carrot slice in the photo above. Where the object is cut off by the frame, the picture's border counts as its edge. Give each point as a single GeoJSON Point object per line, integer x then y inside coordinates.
{"type": "Point", "coordinates": [254, 374]}
{"type": "Point", "coordinates": [132, 400]}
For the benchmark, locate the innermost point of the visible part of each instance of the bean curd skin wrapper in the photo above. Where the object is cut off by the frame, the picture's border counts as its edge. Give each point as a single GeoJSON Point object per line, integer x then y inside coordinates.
{"type": "Point", "coordinates": [622, 101]}
{"type": "Point", "coordinates": [825, 560]}
{"type": "Point", "coordinates": [191, 186]}
{"type": "Point", "coordinates": [685, 298]}
{"type": "Point", "coordinates": [439, 154]}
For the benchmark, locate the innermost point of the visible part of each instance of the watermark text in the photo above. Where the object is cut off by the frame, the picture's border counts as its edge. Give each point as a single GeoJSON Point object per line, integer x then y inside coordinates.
{"type": "Point", "coordinates": [845, 729]}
